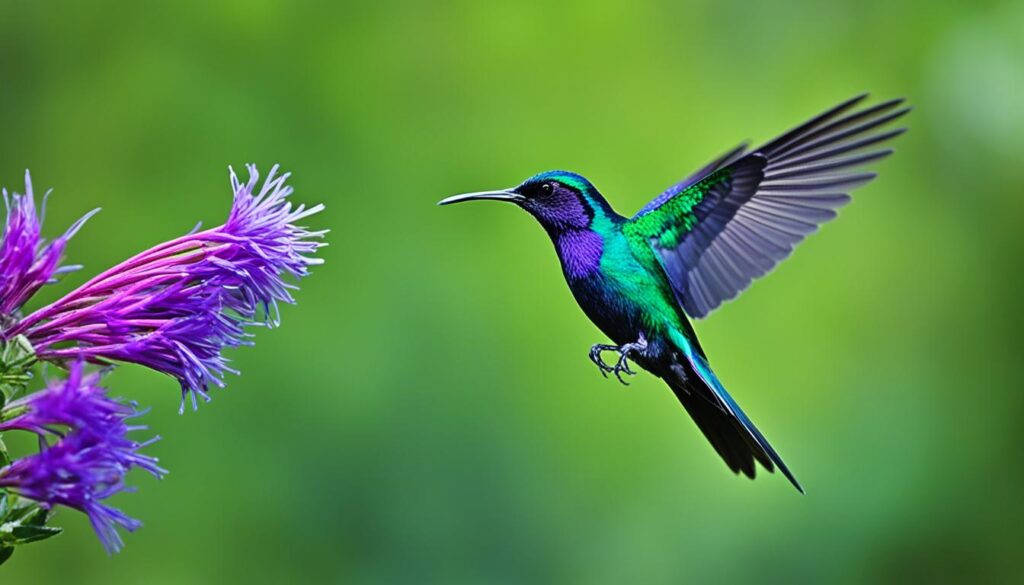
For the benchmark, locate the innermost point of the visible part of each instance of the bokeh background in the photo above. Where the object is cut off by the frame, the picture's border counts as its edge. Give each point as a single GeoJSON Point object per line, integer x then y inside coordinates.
{"type": "Point", "coordinates": [427, 413]}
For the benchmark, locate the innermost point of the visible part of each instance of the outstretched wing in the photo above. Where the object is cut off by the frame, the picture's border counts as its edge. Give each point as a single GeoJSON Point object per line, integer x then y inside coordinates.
{"type": "Point", "coordinates": [741, 215]}
{"type": "Point", "coordinates": [724, 160]}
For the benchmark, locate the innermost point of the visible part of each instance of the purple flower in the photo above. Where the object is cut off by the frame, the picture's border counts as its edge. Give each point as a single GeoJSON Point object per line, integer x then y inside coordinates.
{"type": "Point", "coordinates": [27, 262]}
{"type": "Point", "coordinates": [86, 465]}
{"type": "Point", "coordinates": [176, 306]}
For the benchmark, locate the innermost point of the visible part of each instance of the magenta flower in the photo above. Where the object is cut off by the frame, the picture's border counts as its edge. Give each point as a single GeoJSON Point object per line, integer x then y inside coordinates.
{"type": "Point", "coordinates": [173, 308]}
{"type": "Point", "coordinates": [27, 262]}
{"type": "Point", "coordinates": [176, 306]}
{"type": "Point", "coordinates": [90, 458]}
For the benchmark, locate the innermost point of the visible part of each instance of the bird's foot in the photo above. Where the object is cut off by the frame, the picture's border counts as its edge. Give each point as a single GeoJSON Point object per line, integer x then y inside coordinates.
{"type": "Point", "coordinates": [622, 364]}
{"type": "Point", "coordinates": [595, 356]}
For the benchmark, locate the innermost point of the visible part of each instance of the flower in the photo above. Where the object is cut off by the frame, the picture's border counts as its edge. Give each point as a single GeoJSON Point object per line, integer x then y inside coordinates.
{"type": "Point", "coordinates": [176, 306]}
{"type": "Point", "coordinates": [173, 308]}
{"type": "Point", "coordinates": [86, 465]}
{"type": "Point", "coordinates": [27, 262]}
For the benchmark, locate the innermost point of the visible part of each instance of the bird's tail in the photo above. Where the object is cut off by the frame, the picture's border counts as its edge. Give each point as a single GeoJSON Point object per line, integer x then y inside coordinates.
{"type": "Point", "coordinates": [722, 421]}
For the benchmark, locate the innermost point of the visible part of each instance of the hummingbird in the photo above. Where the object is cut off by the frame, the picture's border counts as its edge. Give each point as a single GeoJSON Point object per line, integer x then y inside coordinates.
{"type": "Point", "coordinates": [700, 243]}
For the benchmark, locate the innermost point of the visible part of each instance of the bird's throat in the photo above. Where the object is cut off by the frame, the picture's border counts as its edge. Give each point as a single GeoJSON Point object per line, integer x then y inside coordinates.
{"type": "Point", "coordinates": [580, 252]}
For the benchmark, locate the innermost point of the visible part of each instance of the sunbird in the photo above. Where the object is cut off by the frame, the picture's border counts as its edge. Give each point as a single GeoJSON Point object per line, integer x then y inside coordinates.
{"type": "Point", "coordinates": [696, 245]}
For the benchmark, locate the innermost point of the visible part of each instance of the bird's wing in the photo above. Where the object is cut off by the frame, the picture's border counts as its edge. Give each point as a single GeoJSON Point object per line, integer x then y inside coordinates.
{"type": "Point", "coordinates": [738, 217]}
{"type": "Point", "coordinates": [724, 160]}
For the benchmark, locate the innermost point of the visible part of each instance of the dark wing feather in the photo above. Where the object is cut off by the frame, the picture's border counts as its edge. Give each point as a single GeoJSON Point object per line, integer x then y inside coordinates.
{"type": "Point", "coordinates": [738, 217]}
{"type": "Point", "coordinates": [724, 160]}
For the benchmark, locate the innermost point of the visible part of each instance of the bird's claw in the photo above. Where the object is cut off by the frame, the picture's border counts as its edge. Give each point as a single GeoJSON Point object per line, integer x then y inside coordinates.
{"type": "Point", "coordinates": [595, 356]}
{"type": "Point", "coordinates": [622, 364]}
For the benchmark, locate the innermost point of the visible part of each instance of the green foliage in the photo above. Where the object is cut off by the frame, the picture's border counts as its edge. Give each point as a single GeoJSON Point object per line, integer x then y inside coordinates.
{"type": "Point", "coordinates": [16, 359]}
{"type": "Point", "coordinates": [5, 553]}
{"type": "Point", "coordinates": [21, 522]}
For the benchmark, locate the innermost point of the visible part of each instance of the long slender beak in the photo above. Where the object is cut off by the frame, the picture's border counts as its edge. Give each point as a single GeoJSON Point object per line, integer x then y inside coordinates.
{"type": "Point", "coordinates": [503, 195]}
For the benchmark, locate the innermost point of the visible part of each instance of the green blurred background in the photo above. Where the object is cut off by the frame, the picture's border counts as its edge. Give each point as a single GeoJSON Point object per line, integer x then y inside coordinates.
{"type": "Point", "coordinates": [427, 413]}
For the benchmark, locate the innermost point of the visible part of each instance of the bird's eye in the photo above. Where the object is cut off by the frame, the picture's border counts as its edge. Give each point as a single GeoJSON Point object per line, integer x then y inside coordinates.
{"type": "Point", "coordinates": [546, 188]}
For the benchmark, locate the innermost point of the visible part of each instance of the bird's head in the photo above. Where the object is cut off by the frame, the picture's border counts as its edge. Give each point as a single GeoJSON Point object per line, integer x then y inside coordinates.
{"type": "Point", "coordinates": [560, 200]}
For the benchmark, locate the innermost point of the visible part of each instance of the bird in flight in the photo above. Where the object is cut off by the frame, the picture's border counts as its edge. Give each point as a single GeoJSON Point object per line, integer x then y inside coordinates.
{"type": "Point", "coordinates": [698, 244]}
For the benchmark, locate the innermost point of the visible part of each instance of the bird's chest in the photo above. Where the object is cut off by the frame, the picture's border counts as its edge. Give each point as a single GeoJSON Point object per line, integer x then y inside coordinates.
{"type": "Point", "coordinates": [617, 292]}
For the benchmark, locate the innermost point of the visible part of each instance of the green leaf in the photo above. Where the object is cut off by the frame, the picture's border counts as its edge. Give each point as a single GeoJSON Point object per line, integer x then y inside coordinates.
{"type": "Point", "coordinates": [12, 412]}
{"type": "Point", "coordinates": [21, 511]}
{"type": "Point", "coordinates": [3, 505]}
{"type": "Point", "coordinates": [5, 553]}
{"type": "Point", "coordinates": [37, 518]}
{"type": "Point", "coordinates": [17, 357]}
{"type": "Point", "coordinates": [5, 459]}
{"type": "Point", "coordinates": [25, 522]}
{"type": "Point", "coordinates": [18, 352]}
{"type": "Point", "coordinates": [27, 534]}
